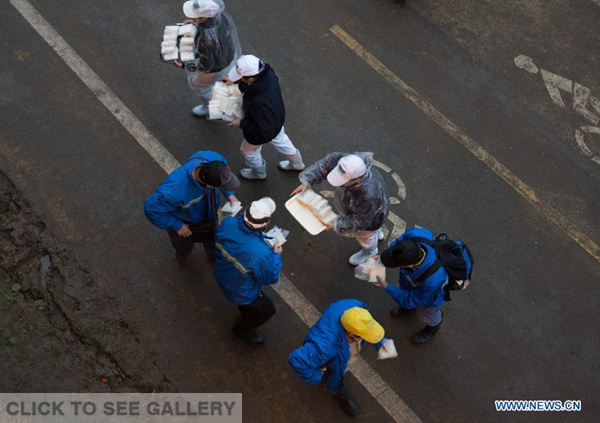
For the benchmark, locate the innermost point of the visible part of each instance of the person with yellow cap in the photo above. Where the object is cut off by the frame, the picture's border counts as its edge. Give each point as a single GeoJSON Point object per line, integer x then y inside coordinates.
{"type": "Point", "coordinates": [332, 344]}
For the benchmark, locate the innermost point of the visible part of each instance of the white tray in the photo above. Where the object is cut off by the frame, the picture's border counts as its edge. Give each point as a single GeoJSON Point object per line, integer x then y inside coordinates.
{"type": "Point", "coordinates": [304, 216]}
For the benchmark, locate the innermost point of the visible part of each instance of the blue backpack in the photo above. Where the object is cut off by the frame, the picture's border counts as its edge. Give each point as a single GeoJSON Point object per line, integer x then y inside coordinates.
{"type": "Point", "coordinates": [456, 259]}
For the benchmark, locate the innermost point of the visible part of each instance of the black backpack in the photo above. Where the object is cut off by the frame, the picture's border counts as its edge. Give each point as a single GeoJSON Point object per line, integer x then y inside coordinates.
{"type": "Point", "coordinates": [456, 259]}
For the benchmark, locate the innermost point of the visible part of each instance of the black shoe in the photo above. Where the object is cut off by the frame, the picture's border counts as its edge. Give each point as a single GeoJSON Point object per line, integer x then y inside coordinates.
{"type": "Point", "coordinates": [348, 404]}
{"type": "Point", "coordinates": [253, 338]}
{"type": "Point", "coordinates": [181, 259]}
{"type": "Point", "coordinates": [399, 311]}
{"type": "Point", "coordinates": [425, 334]}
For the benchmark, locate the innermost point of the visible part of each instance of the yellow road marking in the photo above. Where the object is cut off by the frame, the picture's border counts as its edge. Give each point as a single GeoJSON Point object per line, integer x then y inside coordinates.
{"type": "Point", "coordinates": [518, 185]}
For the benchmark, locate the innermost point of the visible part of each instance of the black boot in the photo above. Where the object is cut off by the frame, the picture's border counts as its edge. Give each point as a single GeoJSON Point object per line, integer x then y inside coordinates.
{"type": "Point", "coordinates": [425, 334]}
{"type": "Point", "coordinates": [347, 403]}
{"type": "Point", "coordinates": [253, 338]}
{"type": "Point", "coordinates": [399, 311]}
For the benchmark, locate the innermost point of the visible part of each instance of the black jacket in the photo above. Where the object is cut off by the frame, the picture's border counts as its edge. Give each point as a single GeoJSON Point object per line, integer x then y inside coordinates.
{"type": "Point", "coordinates": [264, 113]}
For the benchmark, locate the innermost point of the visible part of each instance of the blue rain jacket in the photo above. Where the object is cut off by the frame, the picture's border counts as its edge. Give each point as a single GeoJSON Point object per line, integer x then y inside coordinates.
{"type": "Point", "coordinates": [430, 293]}
{"type": "Point", "coordinates": [326, 345]}
{"type": "Point", "coordinates": [244, 261]}
{"type": "Point", "coordinates": [180, 198]}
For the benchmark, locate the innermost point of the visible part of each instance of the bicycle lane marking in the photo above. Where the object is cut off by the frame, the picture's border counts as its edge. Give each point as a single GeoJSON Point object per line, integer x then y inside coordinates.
{"type": "Point", "coordinates": [549, 212]}
{"type": "Point", "coordinates": [369, 378]}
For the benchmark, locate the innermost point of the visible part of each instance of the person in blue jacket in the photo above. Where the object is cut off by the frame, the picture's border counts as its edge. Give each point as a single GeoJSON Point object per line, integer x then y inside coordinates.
{"type": "Point", "coordinates": [427, 295]}
{"type": "Point", "coordinates": [188, 196]}
{"type": "Point", "coordinates": [332, 344]}
{"type": "Point", "coordinates": [244, 263]}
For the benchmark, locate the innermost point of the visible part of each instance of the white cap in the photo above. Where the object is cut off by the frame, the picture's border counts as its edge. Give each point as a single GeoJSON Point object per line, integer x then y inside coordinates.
{"type": "Point", "coordinates": [247, 65]}
{"type": "Point", "coordinates": [348, 167]}
{"type": "Point", "coordinates": [259, 213]}
{"type": "Point", "coordinates": [201, 9]}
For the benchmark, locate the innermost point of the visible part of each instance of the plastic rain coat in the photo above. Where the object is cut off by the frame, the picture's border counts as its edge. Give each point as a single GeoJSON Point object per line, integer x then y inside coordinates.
{"type": "Point", "coordinates": [218, 47]}
{"type": "Point", "coordinates": [364, 205]}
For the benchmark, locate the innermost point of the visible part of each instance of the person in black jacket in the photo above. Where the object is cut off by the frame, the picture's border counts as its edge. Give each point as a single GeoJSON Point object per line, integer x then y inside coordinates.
{"type": "Point", "coordinates": [264, 116]}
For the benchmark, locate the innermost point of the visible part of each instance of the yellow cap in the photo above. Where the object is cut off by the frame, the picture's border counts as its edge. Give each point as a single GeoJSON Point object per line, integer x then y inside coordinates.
{"type": "Point", "coordinates": [359, 322]}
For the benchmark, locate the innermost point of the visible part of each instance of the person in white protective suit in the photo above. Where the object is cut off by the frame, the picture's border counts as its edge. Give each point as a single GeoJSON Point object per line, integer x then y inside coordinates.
{"type": "Point", "coordinates": [361, 198]}
{"type": "Point", "coordinates": [216, 45]}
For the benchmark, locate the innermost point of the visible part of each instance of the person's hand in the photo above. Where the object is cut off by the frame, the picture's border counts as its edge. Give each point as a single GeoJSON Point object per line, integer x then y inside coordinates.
{"type": "Point", "coordinates": [323, 370]}
{"type": "Point", "coordinates": [235, 123]}
{"type": "Point", "coordinates": [330, 226]}
{"type": "Point", "coordinates": [227, 81]}
{"type": "Point", "coordinates": [233, 199]}
{"type": "Point", "coordinates": [381, 283]}
{"type": "Point", "coordinates": [184, 231]}
{"type": "Point", "coordinates": [177, 64]}
{"type": "Point", "coordinates": [278, 249]}
{"type": "Point", "coordinates": [189, 21]}
{"type": "Point", "coordinates": [300, 190]}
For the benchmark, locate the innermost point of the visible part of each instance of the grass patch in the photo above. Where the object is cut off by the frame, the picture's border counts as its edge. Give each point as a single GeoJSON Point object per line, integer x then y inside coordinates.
{"type": "Point", "coordinates": [9, 298]}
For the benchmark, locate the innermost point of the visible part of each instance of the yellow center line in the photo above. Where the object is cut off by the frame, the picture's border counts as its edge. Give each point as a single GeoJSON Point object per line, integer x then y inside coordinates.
{"type": "Point", "coordinates": [518, 185]}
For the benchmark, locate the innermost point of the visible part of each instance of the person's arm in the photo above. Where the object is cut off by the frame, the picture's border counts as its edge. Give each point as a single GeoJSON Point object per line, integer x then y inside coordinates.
{"type": "Point", "coordinates": [351, 223]}
{"type": "Point", "coordinates": [158, 210]}
{"type": "Point", "coordinates": [415, 298]}
{"type": "Point", "coordinates": [307, 362]}
{"type": "Point", "coordinates": [267, 270]}
{"type": "Point", "coordinates": [229, 195]}
{"type": "Point", "coordinates": [378, 345]}
{"type": "Point", "coordinates": [317, 172]}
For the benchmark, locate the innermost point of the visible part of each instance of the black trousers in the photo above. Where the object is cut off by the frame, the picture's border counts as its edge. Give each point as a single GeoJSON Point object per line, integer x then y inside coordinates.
{"type": "Point", "coordinates": [184, 246]}
{"type": "Point", "coordinates": [255, 314]}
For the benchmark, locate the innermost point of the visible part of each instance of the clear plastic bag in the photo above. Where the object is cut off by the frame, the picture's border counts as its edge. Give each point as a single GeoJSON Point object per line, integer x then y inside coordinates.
{"type": "Point", "coordinates": [277, 236]}
{"type": "Point", "coordinates": [370, 270]}
{"type": "Point", "coordinates": [387, 350]}
{"type": "Point", "coordinates": [226, 102]}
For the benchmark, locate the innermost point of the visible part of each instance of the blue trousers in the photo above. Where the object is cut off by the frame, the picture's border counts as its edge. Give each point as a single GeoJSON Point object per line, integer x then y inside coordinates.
{"type": "Point", "coordinates": [431, 316]}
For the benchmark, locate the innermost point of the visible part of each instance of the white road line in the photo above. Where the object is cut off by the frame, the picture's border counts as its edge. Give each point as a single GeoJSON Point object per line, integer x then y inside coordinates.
{"type": "Point", "coordinates": [365, 374]}
{"type": "Point", "coordinates": [479, 152]}
{"type": "Point", "coordinates": [97, 86]}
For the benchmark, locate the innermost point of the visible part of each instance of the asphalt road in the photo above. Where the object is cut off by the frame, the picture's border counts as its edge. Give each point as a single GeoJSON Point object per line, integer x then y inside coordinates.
{"type": "Point", "coordinates": [527, 328]}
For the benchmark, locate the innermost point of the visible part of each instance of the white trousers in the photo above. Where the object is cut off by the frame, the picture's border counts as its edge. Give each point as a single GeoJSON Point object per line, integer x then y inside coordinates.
{"type": "Point", "coordinates": [251, 152]}
{"type": "Point", "coordinates": [367, 239]}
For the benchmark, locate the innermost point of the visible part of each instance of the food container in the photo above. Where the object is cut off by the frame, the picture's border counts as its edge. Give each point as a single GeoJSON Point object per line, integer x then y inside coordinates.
{"type": "Point", "coordinates": [178, 43]}
{"type": "Point", "coordinates": [306, 215]}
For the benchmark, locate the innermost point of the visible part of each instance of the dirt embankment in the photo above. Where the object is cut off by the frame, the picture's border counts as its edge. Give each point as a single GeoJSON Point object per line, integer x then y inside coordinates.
{"type": "Point", "coordinates": [59, 331]}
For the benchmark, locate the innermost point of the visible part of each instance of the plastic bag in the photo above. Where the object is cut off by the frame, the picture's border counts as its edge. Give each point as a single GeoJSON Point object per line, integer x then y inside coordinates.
{"type": "Point", "coordinates": [225, 103]}
{"type": "Point", "coordinates": [387, 350]}
{"type": "Point", "coordinates": [363, 206]}
{"type": "Point", "coordinates": [277, 236]}
{"type": "Point", "coordinates": [370, 270]}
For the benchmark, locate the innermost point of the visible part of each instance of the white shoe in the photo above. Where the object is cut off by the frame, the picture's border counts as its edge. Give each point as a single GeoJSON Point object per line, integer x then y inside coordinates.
{"type": "Point", "coordinates": [287, 165]}
{"type": "Point", "coordinates": [294, 163]}
{"type": "Point", "coordinates": [200, 110]}
{"type": "Point", "coordinates": [360, 257]}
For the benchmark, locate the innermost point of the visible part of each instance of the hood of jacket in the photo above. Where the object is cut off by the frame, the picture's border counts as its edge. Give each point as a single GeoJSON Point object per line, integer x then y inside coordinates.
{"type": "Point", "coordinates": [264, 80]}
